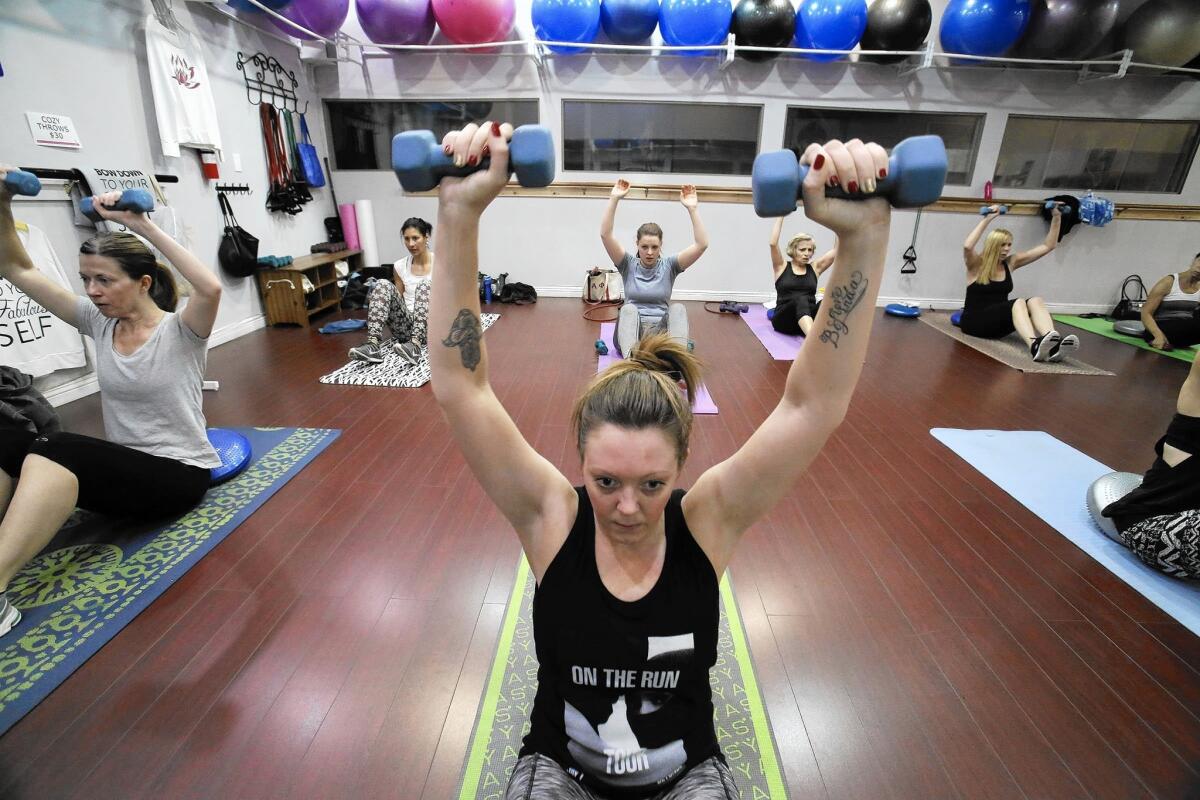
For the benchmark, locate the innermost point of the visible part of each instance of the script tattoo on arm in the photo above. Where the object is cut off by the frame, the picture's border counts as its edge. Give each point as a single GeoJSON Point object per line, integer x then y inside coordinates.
{"type": "Point", "coordinates": [843, 300]}
{"type": "Point", "coordinates": [465, 334]}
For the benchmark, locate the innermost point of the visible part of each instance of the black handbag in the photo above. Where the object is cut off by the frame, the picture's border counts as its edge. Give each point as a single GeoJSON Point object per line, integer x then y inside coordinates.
{"type": "Point", "coordinates": [1130, 307]}
{"type": "Point", "coordinates": [238, 253]}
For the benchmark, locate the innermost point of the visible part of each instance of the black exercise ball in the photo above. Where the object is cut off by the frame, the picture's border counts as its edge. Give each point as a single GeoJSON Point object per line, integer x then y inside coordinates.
{"type": "Point", "coordinates": [763, 23]}
{"type": "Point", "coordinates": [1066, 29]}
{"type": "Point", "coordinates": [896, 25]}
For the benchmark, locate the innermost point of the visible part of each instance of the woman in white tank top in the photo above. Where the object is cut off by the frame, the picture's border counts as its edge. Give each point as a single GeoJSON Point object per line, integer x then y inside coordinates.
{"type": "Point", "coordinates": [1176, 326]}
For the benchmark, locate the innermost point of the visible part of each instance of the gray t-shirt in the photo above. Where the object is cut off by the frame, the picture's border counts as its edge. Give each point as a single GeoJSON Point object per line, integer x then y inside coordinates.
{"type": "Point", "coordinates": [151, 399]}
{"type": "Point", "coordinates": [649, 289]}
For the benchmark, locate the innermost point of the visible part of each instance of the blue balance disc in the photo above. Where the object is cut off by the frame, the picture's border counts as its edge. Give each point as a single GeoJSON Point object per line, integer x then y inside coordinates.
{"type": "Point", "coordinates": [234, 450]}
{"type": "Point", "coordinates": [901, 310]}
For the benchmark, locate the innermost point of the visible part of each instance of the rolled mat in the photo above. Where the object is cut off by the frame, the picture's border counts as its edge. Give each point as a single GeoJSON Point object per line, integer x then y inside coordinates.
{"type": "Point", "coordinates": [364, 214]}
{"type": "Point", "coordinates": [349, 225]}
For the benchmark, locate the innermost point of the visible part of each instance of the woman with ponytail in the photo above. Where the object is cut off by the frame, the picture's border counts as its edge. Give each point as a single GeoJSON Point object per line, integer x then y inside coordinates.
{"type": "Point", "coordinates": [627, 565]}
{"type": "Point", "coordinates": [155, 459]}
{"type": "Point", "coordinates": [988, 312]}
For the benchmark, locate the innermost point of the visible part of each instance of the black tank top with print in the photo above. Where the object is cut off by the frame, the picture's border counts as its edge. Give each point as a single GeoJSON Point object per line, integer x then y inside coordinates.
{"type": "Point", "coordinates": [623, 700]}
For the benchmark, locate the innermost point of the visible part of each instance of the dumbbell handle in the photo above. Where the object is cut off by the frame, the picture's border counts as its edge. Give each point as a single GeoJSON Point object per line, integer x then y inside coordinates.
{"type": "Point", "coordinates": [1050, 204]}
{"type": "Point", "coordinates": [985, 210]}
{"type": "Point", "coordinates": [138, 200]}
{"type": "Point", "coordinates": [21, 182]}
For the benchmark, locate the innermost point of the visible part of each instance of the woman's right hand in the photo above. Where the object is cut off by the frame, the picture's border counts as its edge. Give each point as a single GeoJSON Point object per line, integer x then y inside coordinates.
{"type": "Point", "coordinates": [1160, 343]}
{"type": "Point", "coordinates": [993, 211]}
{"type": "Point", "coordinates": [6, 194]}
{"type": "Point", "coordinates": [620, 188]}
{"type": "Point", "coordinates": [855, 166]}
{"type": "Point", "coordinates": [470, 145]}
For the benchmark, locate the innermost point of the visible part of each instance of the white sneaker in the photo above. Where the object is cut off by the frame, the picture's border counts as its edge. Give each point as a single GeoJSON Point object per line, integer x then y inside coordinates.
{"type": "Point", "coordinates": [1042, 346]}
{"type": "Point", "coordinates": [1066, 348]}
{"type": "Point", "coordinates": [9, 615]}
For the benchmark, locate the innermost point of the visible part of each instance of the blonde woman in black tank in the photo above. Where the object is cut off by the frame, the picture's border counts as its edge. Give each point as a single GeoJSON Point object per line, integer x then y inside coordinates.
{"type": "Point", "coordinates": [796, 281]}
{"type": "Point", "coordinates": [988, 312]}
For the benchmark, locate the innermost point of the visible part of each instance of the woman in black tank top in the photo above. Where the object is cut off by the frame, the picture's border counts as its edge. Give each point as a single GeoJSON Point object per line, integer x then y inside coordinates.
{"type": "Point", "coordinates": [988, 312]}
{"type": "Point", "coordinates": [796, 281]}
{"type": "Point", "coordinates": [627, 565]}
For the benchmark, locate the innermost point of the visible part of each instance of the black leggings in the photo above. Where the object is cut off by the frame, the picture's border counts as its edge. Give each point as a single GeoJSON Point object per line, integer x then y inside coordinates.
{"type": "Point", "coordinates": [113, 479]}
{"type": "Point", "coordinates": [1181, 331]}
{"type": "Point", "coordinates": [788, 312]}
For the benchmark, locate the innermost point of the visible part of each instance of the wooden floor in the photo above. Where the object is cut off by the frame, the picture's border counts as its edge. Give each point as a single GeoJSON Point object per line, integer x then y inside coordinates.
{"type": "Point", "coordinates": [917, 633]}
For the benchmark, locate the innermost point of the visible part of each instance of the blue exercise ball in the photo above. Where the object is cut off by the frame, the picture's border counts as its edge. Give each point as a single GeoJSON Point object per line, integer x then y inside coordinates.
{"type": "Point", "coordinates": [244, 5]}
{"type": "Point", "coordinates": [694, 22]}
{"type": "Point", "coordinates": [983, 27]}
{"type": "Point", "coordinates": [1066, 29]}
{"type": "Point", "coordinates": [830, 25]}
{"type": "Point", "coordinates": [566, 21]}
{"type": "Point", "coordinates": [629, 21]}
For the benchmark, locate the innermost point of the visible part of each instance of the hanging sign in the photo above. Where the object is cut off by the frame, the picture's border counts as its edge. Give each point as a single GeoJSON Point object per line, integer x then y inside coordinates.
{"type": "Point", "coordinates": [52, 130]}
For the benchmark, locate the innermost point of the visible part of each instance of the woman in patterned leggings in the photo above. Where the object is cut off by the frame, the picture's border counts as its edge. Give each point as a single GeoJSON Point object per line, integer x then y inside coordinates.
{"type": "Point", "coordinates": [402, 303]}
{"type": "Point", "coordinates": [1160, 520]}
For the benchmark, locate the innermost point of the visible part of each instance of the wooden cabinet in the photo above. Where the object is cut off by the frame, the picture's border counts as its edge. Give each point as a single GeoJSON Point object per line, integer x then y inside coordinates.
{"type": "Point", "coordinates": [282, 290]}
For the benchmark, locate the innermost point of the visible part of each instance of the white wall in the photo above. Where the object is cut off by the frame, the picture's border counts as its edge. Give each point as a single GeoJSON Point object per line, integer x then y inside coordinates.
{"type": "Point", "coordinates": [548, 243]}
{"type": "Point", "coordinates": [87, 60]}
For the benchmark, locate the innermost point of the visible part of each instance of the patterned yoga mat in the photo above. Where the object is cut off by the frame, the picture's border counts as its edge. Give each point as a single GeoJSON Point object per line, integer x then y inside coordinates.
{"type": "Point", "coordinates": [393, 371]}
{"type": "Point", "coordinates": [743, 731]}
{"type": "Point", "coordinates": [97, 575]}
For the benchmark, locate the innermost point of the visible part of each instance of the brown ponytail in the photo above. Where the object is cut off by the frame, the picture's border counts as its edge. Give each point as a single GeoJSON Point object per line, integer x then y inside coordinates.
{"type": "Point", "coordinates": [641, 392]}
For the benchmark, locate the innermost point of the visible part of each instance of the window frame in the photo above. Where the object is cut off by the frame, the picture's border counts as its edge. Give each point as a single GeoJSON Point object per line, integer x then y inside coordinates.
{"type": "Point", "coordinates": [1191, 159]}
{"type": "Point", "coordinates": [328, 101]}
{"type": "Point", "coordinates": [562, 151]}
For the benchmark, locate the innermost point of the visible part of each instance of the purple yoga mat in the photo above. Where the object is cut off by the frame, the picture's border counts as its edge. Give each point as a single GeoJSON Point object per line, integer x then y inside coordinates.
{"type": "Point", "coordinates": [781, 346]}
{"type": "Point", "coordinates": [349, 225]}
{"type": "Point", "coordinates": [608, 330]}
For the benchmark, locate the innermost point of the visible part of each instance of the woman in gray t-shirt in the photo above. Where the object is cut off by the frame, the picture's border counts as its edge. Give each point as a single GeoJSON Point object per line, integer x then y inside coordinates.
{"type": "Point", "coordinates": [155, 459]}
{"type": "Point", "coordinates": [649, 276]}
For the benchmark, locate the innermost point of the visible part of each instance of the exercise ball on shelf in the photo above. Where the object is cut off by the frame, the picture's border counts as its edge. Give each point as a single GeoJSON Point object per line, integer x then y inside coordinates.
{"type": "Point", "coordinates": [396, 21]}
{"type": "Point", "coordinates": [629, 21]}
{"type": "Point", "coordinates": [474, 21]}
{"type": "Point", "coordinates": [763, 23]}
{"type": "Point", "coordinates": [566, 21]}
{"type": "Point", "coordinates": [694, 22]}
{"type": "Point", "coordinates": [1164, 32]}
{"type": "Point", "coordinates": [830, 25]}
{"type": "Point", "coordinates": [1066, 29]}
{"type": "Point", "coordinates": [983, 27]}
{"type": "Point", "coordinates": [322, 17]}
{"type": "Point", "coordinates": [245, 5]}
{"type": "Point", "coordinates": [896, 25]}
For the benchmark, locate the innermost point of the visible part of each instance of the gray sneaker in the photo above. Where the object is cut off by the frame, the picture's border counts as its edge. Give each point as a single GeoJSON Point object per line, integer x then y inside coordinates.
{"type": "Point", "coordinates": [409, 351]}
{"type": "Point", "coordinates": [368, 352]}
{"type": "Point", "coordinates": [9, 615]}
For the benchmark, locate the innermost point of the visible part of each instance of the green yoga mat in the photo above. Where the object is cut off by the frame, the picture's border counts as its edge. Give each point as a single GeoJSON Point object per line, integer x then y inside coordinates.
{"type": "Point", "coordinates": [1104, 328]}
{"type": "Point", "coordinates": [503, 719]}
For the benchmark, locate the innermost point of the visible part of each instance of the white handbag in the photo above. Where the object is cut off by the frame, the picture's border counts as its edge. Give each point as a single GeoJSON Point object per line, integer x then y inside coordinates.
{"type": "Point", "coordinates": [603, 286]}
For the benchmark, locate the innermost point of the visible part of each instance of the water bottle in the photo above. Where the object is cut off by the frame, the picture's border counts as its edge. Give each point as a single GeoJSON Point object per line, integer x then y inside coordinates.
{"type": "Point", "coordinates": [487, 289]}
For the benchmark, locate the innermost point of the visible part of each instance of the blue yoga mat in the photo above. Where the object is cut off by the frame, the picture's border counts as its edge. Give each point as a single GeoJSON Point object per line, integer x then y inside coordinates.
{"type": "Point", "coordinates": [1051, 480]}
{"type": "Point", "coordinates": [98, 575]}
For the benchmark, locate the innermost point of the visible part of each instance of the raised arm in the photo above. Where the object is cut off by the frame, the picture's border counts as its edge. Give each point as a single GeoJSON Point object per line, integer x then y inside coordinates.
{"type": "Point", "coordinates": [970, 257]}
{"type": "Point", "coordinates": [690, 254]}
{"type": "Point", "coordinates": [730, 496]}
{"type": "Point", "coordinates": [200, 313]}
{"type": "Point", "coordinates": [534, 496]}
{"type": "Point", "coordinates": [1029, 256]}
{"type": "Point", "coordinates": [616, 253]}
{"type": "Point", "coordinates": [1153, 300]}
{"type": "Point", "coordinates": [777, 260]}
{"type": "Point", "coordinates": [16, 266]}
{"type": "Point", "coordinates": [826, 261]}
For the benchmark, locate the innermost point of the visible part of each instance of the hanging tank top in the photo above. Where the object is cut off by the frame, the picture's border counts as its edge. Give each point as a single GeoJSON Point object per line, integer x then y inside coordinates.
{"type": "Point", "coordinates": [789, 284]}
{"type": "Point", "coordinates": [984, 295]}
{"type": "Point", "coordinates": [623, 700]}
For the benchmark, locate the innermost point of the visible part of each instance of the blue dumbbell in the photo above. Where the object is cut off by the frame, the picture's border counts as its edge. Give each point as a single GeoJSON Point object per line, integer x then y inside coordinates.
{"type": "Point", "coordinates": [985, 210]}
{"type": "Point", "coordinates": [21, 182]}
{"type": "Point", "coordinates": [138, 200]}
{"type": "Point", "coordinates": [916, 177]}
{"type": "Point", "coordinates": [420, 164]}
{"type": "Point", "coordinates": [1050, 204]}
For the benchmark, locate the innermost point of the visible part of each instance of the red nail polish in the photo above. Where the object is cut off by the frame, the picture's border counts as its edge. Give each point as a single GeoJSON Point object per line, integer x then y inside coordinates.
{"type": "Point", "coordinates": [485, 151]}
{"type": "Point", "coordinates": [471, 161]}
{"type": "Point", "coordinates": [883, 173]}
{"type": "Point", "coordinates": [495, 129]}
{"type": "Point", "coordinates": [834, 180]}
{"type": "Point", "coordinates": [819, 161]}
{"type": "Point", "coordinates": [852, 186]}
{"type": "Point", "coordinates": [446, 149]}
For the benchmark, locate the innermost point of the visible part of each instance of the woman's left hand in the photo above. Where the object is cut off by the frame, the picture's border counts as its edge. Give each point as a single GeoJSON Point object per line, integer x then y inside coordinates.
{"type": "Point", "coordinates": [855, 166]}
{"type": "Point", "coordinates": [688, 196]}
{"type": "Point", "coordinates": [130, 219]}
{"type": "Point", "coordinates": [469, 146]}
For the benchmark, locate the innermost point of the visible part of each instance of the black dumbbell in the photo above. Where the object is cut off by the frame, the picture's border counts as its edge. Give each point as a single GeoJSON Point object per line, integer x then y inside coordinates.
{"type": "Point", "coordinates": [138, 200]}
{"type": "Point", "coordinates": [420, 163]}
{"type": "Point", "coordinates": [19, 181]}
{"type": "Point", "coordinates": [916, 177]}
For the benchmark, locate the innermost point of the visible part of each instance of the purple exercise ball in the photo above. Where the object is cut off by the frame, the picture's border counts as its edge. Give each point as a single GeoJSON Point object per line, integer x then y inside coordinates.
{"type": "Point", "coordinates": [322, 17]}
{"type": "Point", "coordinates": [396, 21]}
